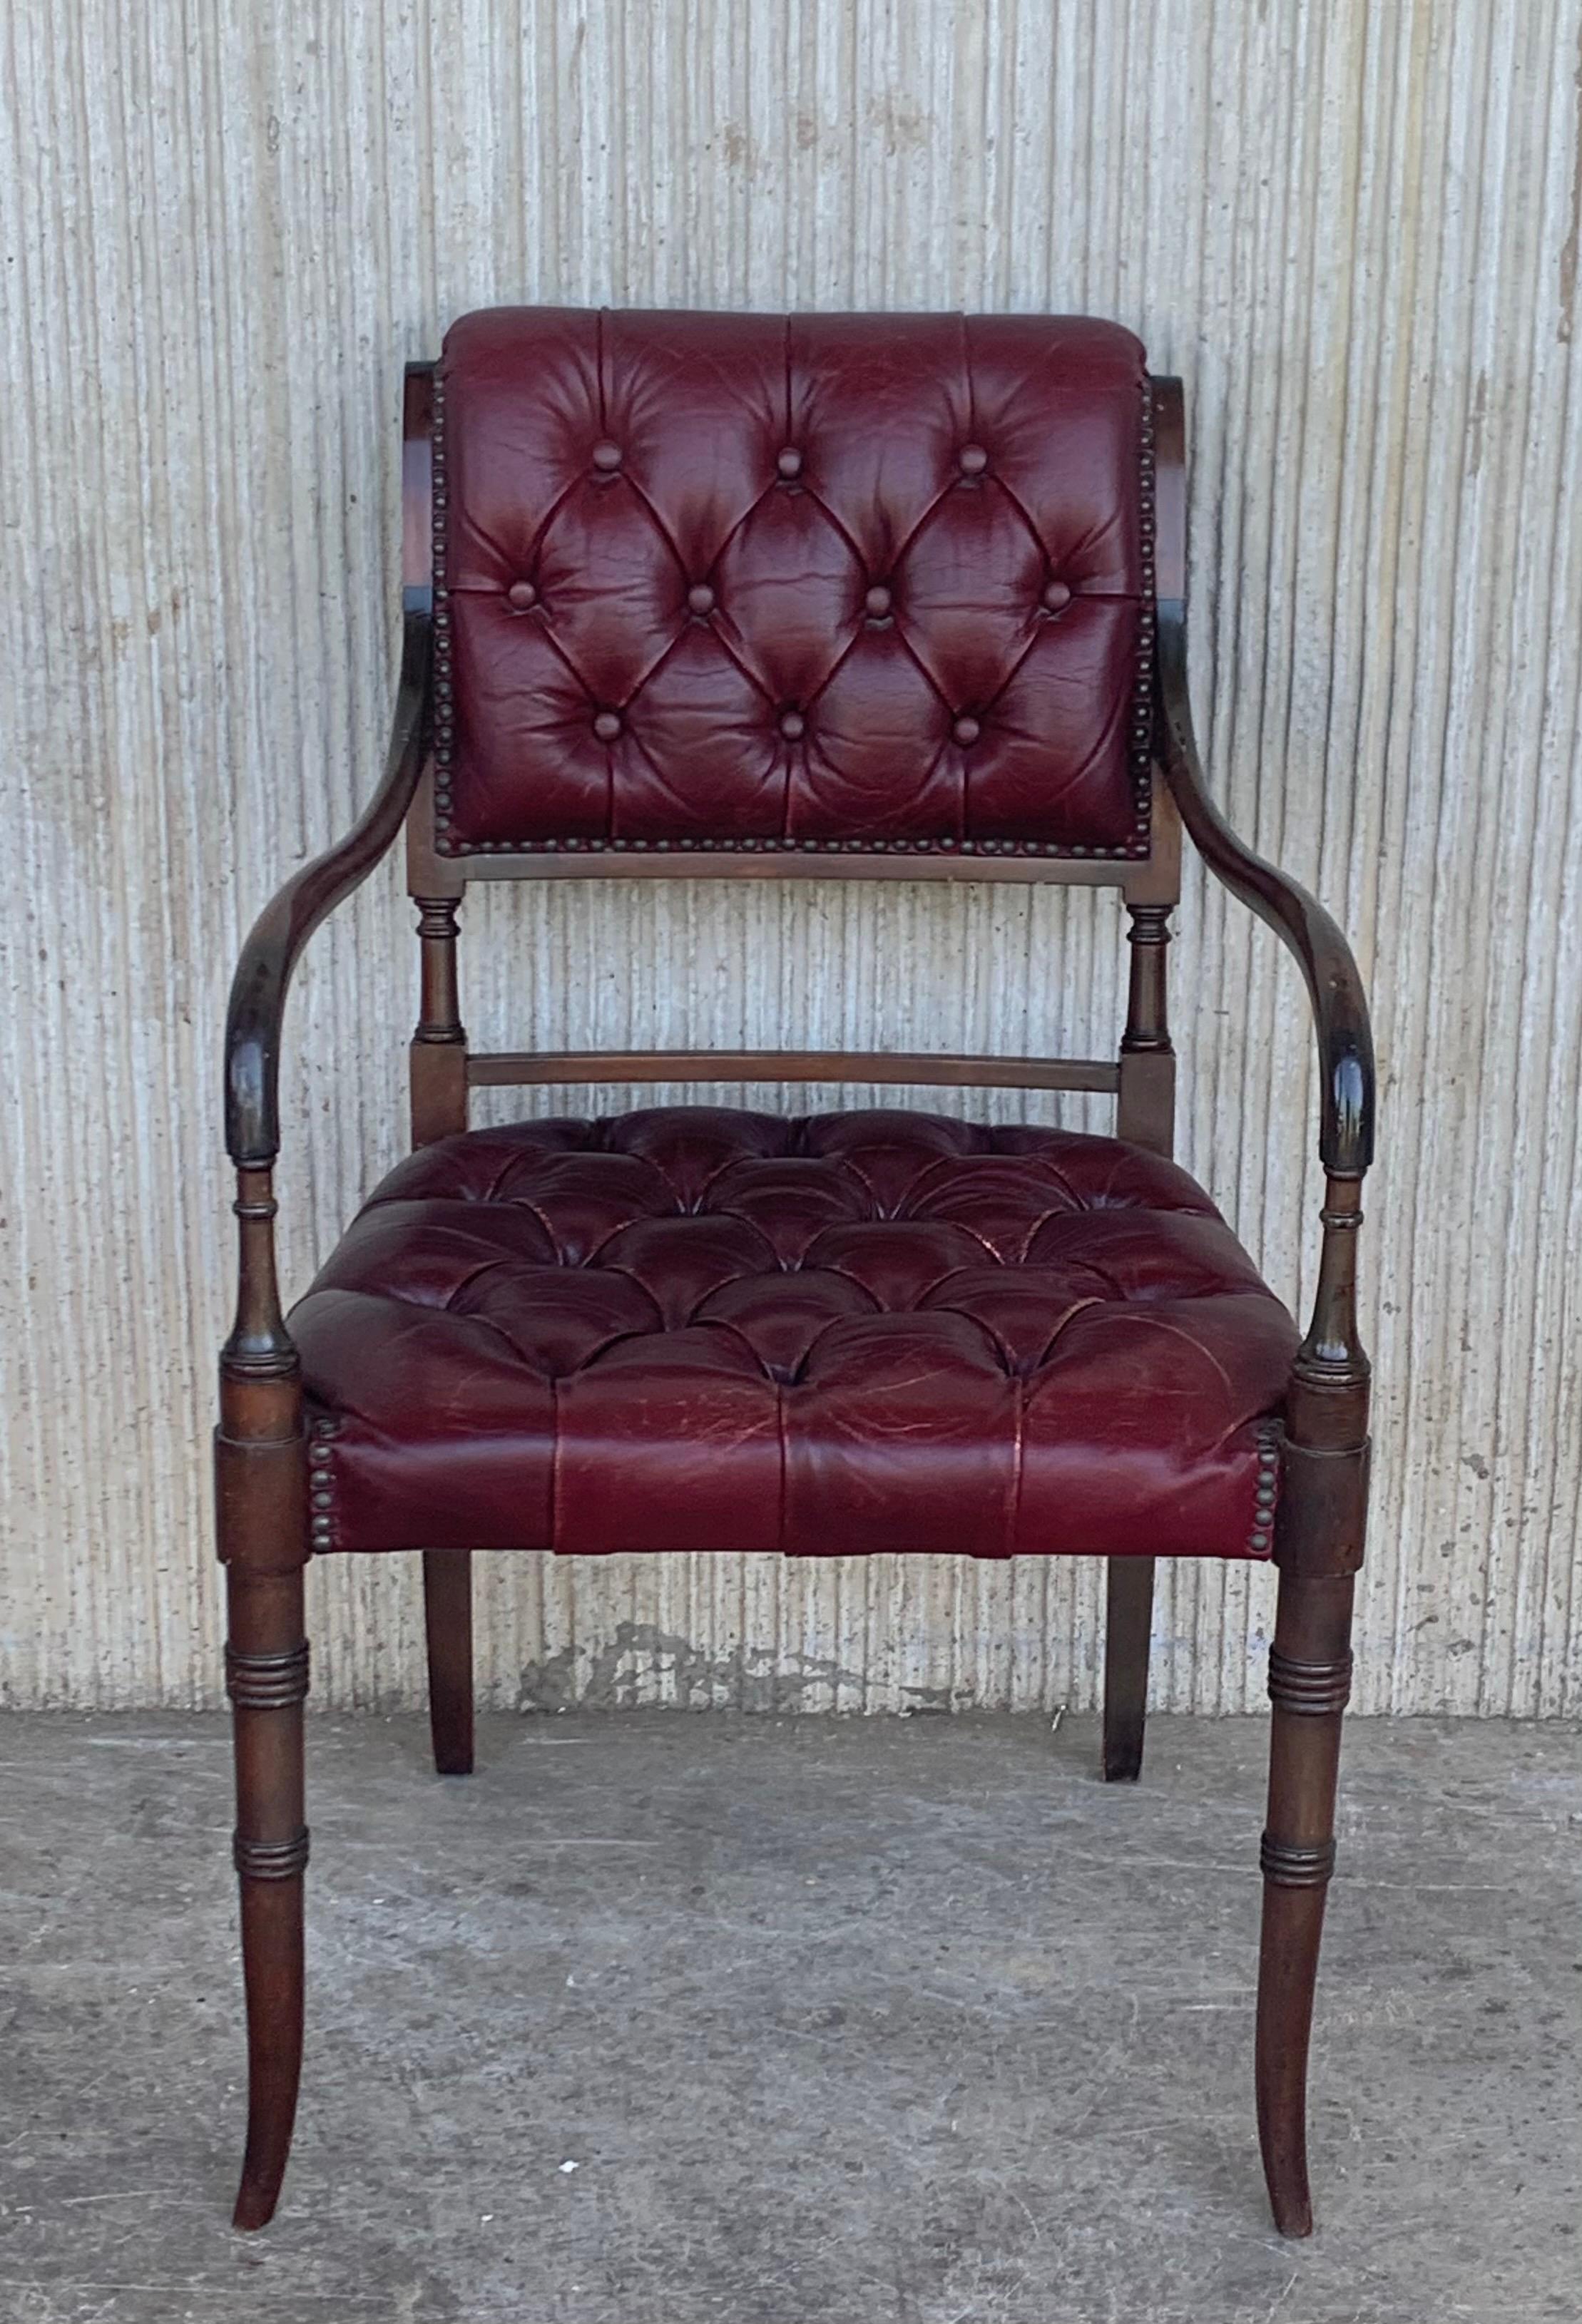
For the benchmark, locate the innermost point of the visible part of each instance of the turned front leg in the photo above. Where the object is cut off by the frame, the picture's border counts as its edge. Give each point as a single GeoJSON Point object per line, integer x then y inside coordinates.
{"type": "Point", "coordinates": [1310, 1682]}
{"type": "Point", "coordinates": [266, 1677]}
{"type": "Point", "coordinates": [261, 1493]}
{"type": "Point", "coordinates": [1319, 1547]}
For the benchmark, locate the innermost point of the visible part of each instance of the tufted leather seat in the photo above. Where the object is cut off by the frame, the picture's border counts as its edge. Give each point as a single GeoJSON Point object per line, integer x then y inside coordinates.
{"type": "Point", "coordinates": [701, 1328]}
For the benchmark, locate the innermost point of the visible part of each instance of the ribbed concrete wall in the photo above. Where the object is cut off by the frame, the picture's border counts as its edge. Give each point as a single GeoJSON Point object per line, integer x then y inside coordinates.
{"type": "Point", "coordinates": [1355, 229]}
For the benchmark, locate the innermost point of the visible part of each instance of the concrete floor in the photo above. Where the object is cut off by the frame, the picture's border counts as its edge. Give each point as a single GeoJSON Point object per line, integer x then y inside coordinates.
{"type": "Point", "coordinates": [902, 2022]}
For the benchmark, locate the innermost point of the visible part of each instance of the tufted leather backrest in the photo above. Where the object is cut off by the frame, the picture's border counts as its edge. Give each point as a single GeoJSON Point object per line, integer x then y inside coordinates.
{"type": "Point", "coordinates": [825, 582]}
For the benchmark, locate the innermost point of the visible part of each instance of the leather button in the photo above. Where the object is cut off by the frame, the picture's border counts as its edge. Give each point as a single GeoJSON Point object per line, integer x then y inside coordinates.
{"type": "Point", "coordinates": [790, 462]}
{"type": "Point", "coordinates": [965, 730]}
{"type": "Point", "coordinates": [972, 460]}
{"type": "Point", "coordinates": [877, 601]}
{"type": "Point", "coordinates": [522, 595]}
{"type": "Point", "coordinates": [606, 458]}
{"type": "Point", "coordinates": [792, 725]}
{"type": "Point", "coordinates": [1056, 596]}
{"type": "Point", "coordinates": [700, 598]}
{"type": "Point", "coordinates": [607, 725]}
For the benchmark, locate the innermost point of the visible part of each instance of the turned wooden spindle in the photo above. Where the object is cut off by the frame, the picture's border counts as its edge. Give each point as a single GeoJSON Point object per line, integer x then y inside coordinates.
{"type": "Point", "coordinates": [439, 1110]}
{"type": "Point", "coordinates": [1144, 1116]}
{"type": "Point", "coordinates": [439, 1044]}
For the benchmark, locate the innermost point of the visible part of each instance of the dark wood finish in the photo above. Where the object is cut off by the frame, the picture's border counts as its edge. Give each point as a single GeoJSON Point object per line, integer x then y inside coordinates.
{"type": "Point", "coordinates": [268, 1522]}
{"type": "Point", "coordinates": [417, 488]}
{"type": "Point", "coordinates": [259, 1347]}
{"type": "Point", "coordinates": [447, 1624]}
{"type": "Point", "coordinates": [1128, 1618]}
{"type": "Point", "coordinates": [1318, 1544]}
{"type": "Point", "coordinates": [1322, 1513]}
{"type": "Point", "coordinates": [507, 1068]}
{"type": "Point", "coordinates": [267, 1677]}
{"type": "Point", "coordinates": [438, 1067]}
{"type": "Point", "coordinates": [1146, 1116]}
{"type": "Point", "coordinates": [1346, 1047]}
{"type": "Point", "coordinates": [808, 864]}
{"type": "Point", "coordinates": [438, 1056]}
{"type": "Point", "coordinates": [1311, 1648]}
{"type": "Point", "coordinates": [264, 972]}
{"type": "Point", "coordinates": [261, 1499]}
{"type": "Point", "coordinates": [1157, 878]}
{"type": "Point", "coordinates": [258, 991]}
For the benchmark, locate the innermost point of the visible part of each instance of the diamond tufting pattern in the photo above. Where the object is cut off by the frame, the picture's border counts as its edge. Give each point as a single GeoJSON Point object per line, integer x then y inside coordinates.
{"type": "Point", "coordinates": [695, 1327]}
{"type": "Point", "coordinates": [750, 581]}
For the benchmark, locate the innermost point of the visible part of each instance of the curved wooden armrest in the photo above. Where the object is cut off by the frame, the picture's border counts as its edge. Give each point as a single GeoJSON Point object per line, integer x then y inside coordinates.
{"type": "Point", "coordinates": [264, 972]}
{"type": "Point", "coordinates": [1340, 1009]}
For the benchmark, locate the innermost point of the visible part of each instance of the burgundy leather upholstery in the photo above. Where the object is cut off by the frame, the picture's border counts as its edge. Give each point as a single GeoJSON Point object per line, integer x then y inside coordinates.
{"type": "Point", "coordinates": [751, 581]}
{"type": "Point", "coordinates": [691, 1328]}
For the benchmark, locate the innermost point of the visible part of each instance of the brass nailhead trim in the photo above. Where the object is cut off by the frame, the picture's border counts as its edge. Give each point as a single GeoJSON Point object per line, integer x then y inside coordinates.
{"type": "Point", "coordinates": [1143, 684]}
{"type": "Point", "coordinates": [444, 722]}
{"type": "Point", "coordinates": [321, 1484]}
{"type": "Point", "coordinates": [270, 1860]}
{"type": "Point", "coordinates": [267, 1682]}
{"type": "Point", "coordinates": [1266, 1493]}
{"type": "Point", "coordinates": [1290, 1864]}
{"type": "Point", "coordinates": [1313, 1689]}
{"type": "Point", "coordinates": [769, 846]}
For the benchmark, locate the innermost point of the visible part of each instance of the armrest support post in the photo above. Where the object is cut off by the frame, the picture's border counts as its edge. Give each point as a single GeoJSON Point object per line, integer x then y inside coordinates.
{"type": "Point", "coordinates": [260, 1347]}
{"type": "Point", "coordinates": [1327, 1408]}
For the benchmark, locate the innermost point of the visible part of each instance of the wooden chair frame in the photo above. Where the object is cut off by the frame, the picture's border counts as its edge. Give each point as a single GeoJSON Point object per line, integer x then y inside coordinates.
{"type": "Point", "coordinates": [265, 1497]}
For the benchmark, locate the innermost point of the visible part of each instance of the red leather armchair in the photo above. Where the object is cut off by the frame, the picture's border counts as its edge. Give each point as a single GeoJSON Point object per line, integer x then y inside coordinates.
{"type": "Point", "coordinates": [860, 596]}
